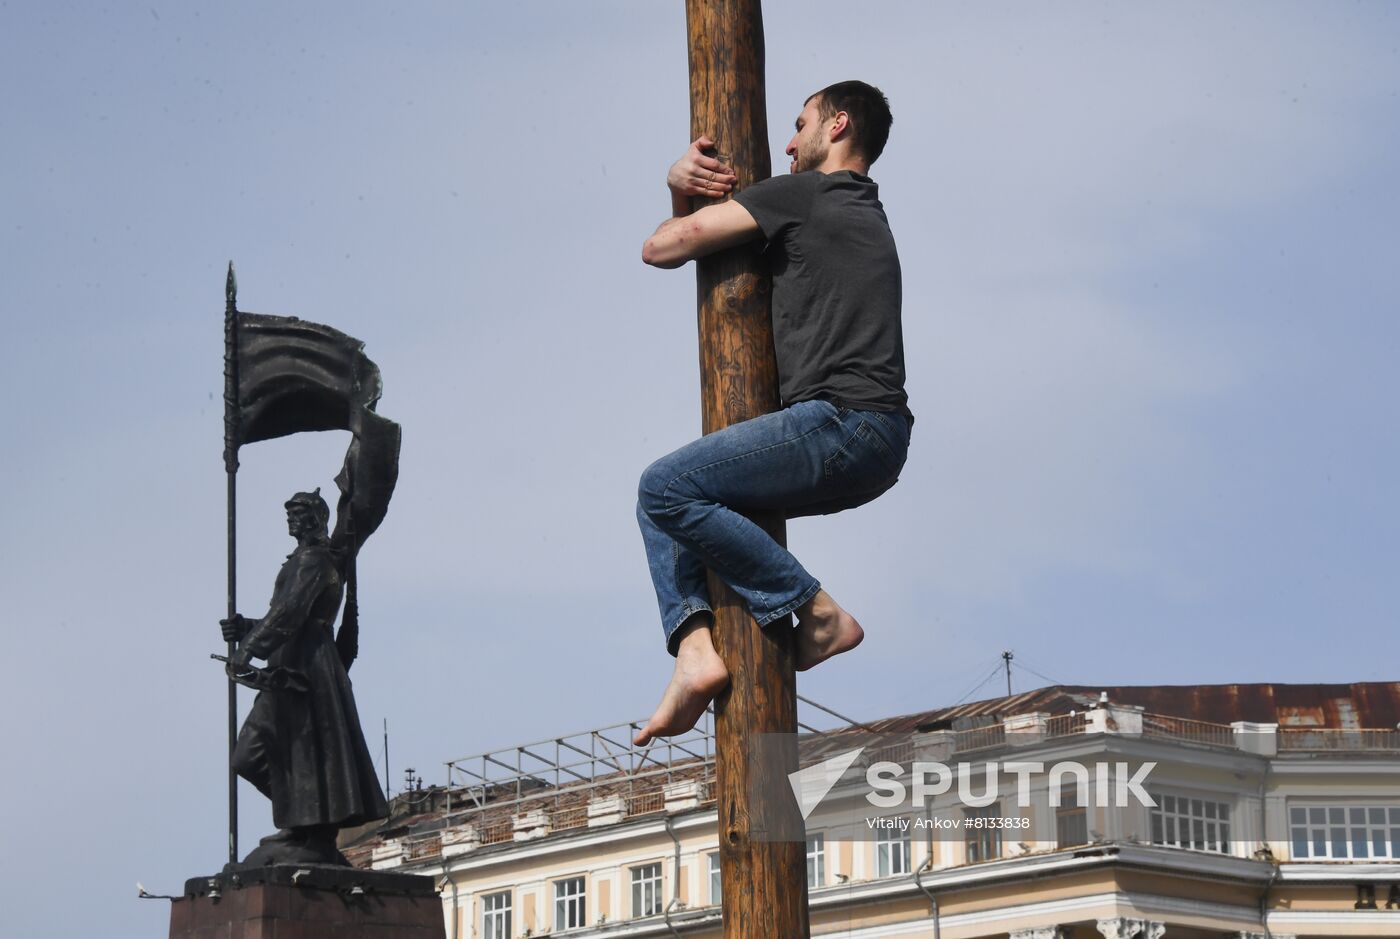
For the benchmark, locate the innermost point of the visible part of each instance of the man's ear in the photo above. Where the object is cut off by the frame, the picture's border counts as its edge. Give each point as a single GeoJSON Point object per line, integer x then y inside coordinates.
{"type": "Point", "coordinates": [841, 127]}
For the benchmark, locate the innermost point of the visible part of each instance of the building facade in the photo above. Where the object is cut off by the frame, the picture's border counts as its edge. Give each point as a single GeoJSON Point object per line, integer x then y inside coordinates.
{"type": "Point", "coordinates": [1270, 810]}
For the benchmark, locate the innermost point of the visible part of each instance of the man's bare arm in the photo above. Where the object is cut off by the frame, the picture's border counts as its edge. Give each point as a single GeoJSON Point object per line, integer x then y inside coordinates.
{"type": "Point", "coordinates": [710, 229]}
{"type": "Point", "coordinates": [707, 230]}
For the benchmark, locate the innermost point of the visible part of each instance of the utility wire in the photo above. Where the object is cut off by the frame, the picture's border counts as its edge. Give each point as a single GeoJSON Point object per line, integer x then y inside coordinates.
{"type": "Point", "coordinates": [996, 670]}
{"type": "Point", "coordinates": [823, 707]}
{"type": "Point", "coordinates": [1021, 664]}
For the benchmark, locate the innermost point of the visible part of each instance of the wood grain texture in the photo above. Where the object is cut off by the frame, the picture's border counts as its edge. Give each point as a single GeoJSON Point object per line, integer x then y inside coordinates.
{"type": "Point", "coordinates": [764, 880]}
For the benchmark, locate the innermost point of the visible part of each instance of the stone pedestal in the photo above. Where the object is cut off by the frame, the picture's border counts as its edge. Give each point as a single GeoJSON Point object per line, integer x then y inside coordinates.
{"type": "Point", "coordinates": [308, 903]}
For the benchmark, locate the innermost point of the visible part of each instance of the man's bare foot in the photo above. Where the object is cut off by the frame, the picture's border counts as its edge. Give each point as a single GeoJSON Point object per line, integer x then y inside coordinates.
{"type": "Point", "coordinates": [699, 676]}
{"type": "Point", "coordinates": [824, 630]}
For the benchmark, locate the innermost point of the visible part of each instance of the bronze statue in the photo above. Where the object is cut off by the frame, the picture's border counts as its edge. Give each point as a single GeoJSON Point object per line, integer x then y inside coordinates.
{"type": "Point", "coordinates": [302, 745]}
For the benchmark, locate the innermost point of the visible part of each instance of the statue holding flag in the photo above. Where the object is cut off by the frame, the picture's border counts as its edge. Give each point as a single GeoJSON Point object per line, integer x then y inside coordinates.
{"type": "Point", "coordinates": [301, 745]}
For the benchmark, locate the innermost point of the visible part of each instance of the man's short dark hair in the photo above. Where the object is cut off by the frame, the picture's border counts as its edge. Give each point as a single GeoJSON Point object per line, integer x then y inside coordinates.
{"type": "Point", "coordinates": [868, 109]}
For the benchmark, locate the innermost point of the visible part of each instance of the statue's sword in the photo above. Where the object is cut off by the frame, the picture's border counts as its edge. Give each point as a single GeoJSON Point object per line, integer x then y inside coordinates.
{"type": "Point", "coordinates": [272, 678]}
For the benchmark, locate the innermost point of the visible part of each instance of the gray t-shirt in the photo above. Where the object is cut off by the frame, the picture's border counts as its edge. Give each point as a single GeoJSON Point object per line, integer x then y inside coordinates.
{"type": "Point", "coordinates": [836, 289]}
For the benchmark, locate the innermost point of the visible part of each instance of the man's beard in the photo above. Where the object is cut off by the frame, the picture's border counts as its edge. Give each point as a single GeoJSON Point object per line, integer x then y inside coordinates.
{"type": "Point", "coordinates": [810, 157]}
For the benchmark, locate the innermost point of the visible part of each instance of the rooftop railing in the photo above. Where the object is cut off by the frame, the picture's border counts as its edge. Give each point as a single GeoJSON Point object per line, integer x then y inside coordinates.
{"type": "Point", "coordinates": [568, 779]}
{"type": "Point", "coordinates": [1332, 740]}
{"type": "Point", "coordinates": [1188, 731]}
{"type": "Point", "coordinates": [577, 760]}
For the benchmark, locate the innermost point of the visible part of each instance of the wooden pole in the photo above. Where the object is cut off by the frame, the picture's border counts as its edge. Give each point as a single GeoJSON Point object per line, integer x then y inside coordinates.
{"type": "Point", "coordinates": [763, 876]}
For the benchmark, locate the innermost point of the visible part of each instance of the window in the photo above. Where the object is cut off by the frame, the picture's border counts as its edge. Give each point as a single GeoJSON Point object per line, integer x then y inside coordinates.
{"type": "Point", "coordinates": [714, 879]}
{"type": "Point", "coordinates": [646, 890]}
{"type": "Point", "coordinates": [1071, 821]}
{"type": "Point", "coordinates": [1198, 824]}
{"type": "Point", "coordinates": [495, 915]}
{"type": "Point", "coordinates": [891, 851]}
{"type": "Point", "coordinates": [816, 860]}
{"type": "Point", "coordinates": [980, 836]}
{"type": "Point", "coordinates": [1345, 832]}
{"type": "Point", "coordinates": [568, 904]}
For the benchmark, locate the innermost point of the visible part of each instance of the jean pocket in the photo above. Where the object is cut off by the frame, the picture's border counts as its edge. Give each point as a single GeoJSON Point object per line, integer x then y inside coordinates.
{"type": "Point", "coordinates": [865, 461]}
{"type": "Point", "coordinates": [897, 425]}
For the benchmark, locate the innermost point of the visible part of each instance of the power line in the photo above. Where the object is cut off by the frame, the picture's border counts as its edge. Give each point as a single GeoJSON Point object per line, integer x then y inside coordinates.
{"type": "Point", "coordinates": [1020, 663]}
{"type": "Point", "coordinates": [996, 669]}
{"type": "Point", "coordinates": [823, 707]}
{"type": "Point", "coordinates": [975, 687]}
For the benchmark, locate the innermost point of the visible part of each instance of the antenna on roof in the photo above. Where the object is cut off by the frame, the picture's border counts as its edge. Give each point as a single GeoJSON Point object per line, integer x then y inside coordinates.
{"type": "Point", "coordinates": [1006, 657]}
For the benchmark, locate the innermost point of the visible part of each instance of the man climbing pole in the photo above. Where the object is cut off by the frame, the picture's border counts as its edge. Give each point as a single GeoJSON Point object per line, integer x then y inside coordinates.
{"type": "Point", "coordinates": [842, 434]}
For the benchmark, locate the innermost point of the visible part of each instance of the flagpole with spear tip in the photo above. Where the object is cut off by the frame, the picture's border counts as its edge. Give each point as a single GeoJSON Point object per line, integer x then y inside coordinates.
{"type": "Point", "coordinates": [231, 434]}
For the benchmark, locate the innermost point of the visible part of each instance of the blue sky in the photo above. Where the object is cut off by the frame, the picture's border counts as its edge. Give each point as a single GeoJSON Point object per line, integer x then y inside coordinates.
{"type": "Point", "coordinates": [1150, 312]}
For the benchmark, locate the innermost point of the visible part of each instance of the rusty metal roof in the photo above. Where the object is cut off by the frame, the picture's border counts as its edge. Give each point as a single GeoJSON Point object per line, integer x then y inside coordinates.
{"type": "Point", "coordinates": [1345, 706]}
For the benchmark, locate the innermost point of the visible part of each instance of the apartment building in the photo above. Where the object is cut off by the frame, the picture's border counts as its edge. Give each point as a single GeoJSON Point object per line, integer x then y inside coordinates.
{"type": "Point", "coordinates": [1269, 810]}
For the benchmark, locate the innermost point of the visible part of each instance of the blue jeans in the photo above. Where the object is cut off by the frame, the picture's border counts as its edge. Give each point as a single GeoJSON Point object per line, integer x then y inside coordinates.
{"type": "Point", "coordinates": [813, 458]}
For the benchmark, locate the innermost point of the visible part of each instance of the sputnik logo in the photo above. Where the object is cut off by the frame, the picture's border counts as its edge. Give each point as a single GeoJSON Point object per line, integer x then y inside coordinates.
{"type": "Point", "coordinates": [811, 785]}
